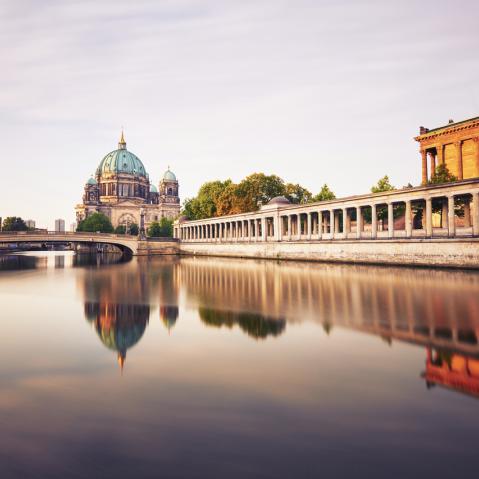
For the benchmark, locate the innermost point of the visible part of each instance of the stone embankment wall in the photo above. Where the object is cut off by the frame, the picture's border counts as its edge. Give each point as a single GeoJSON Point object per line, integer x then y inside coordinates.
{"type": "Point", "coordinates": [457, 253]}
{"type": "Point", "coordinates": [150, 248]}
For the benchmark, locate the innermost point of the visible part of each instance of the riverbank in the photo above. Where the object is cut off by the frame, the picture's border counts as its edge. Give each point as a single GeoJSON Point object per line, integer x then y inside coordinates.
{"type": "Point", "coordinates": [450, 253]}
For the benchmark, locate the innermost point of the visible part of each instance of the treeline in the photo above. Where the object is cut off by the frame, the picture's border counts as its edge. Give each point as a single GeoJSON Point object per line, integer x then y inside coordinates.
{"type": "Point", "coordinates": [219, 198]}
{"type": "Point", "coordinates": [100, 223]}
{"type": "Point", "coordinates": [14, 223]}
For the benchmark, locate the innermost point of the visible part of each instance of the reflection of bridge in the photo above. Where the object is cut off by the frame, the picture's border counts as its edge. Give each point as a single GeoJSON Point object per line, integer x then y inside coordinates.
{"type": "Point", "coordinates": [127, 244]}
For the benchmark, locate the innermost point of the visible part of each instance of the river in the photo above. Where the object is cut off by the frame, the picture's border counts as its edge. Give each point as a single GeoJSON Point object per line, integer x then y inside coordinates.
{"type": "Point", "coordinates": [222, 368]}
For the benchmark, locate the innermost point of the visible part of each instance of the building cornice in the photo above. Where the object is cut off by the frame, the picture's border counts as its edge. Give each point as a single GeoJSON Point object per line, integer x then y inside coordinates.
{"type": "Point", "coordinates": [447, 129]}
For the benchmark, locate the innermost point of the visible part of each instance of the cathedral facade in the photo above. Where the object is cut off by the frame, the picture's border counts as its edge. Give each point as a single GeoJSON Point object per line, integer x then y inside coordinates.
{"type": "Point", "coordinates": [121, 190]}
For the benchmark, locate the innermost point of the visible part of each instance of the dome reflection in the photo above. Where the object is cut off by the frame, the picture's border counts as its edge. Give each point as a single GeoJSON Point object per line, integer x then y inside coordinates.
{"type": "Point", "coordinates": [119, 326]}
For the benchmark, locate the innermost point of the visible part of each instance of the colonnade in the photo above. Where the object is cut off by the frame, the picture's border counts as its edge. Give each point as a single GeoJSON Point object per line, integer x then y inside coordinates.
{"type": "Point", "coordinates": [448, 211]}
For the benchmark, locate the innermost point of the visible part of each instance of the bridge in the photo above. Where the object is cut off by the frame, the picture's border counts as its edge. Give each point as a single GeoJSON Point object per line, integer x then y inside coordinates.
{"type": "Point", "coordinates": [127, 244]}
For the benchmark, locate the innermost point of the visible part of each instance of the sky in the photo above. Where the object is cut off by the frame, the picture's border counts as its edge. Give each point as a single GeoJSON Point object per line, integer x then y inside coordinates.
{"type": "Point", "coordinates": [315, 91]}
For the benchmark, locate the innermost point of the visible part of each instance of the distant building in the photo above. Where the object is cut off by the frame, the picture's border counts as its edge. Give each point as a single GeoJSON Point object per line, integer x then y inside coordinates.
{"type": "Point", "coordinates": [60, 226]}
{"type": "Point", "coordinates": [30, 224]}
{"type": "Point", "coordinates": [73, 227]}
{"type": "Point", "coordinates": [121, 188]}
{"type": "Point", "coordinates": [456, 145]}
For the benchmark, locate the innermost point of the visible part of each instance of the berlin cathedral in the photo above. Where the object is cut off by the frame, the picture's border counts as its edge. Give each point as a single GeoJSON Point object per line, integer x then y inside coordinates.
{"type": "Point", "coordinates": [121, 188]}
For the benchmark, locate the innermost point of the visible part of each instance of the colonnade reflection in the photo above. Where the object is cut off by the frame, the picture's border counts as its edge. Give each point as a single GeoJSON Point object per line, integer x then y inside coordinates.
{"type": "Point", "coordinates": [436, 309]}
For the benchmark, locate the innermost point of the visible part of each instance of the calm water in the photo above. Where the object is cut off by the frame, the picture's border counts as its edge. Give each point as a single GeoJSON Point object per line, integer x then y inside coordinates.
{"type": "Point", "coordinates": [207, 368]}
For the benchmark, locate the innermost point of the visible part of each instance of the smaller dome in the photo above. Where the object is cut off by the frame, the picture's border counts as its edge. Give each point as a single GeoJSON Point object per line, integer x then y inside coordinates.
{"type": "Point", "coordinates": [91, 181]}
{"type": "Point", "coordinates": [279, 200]}
{"type": "Point", "coordinates": [153, 188]}
{"type": "Point", "coordinates": [169, 175]}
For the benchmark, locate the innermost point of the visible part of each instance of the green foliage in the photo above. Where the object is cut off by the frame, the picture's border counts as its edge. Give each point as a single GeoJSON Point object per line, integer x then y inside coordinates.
{"type": "Point", "coordinates": [442, 175]}
{"type": "Point", "coordinates": [134, 229]}
{"type": "Point", "coordinates": [205, 204]}
{"type": "Point", "coordinates": [14, 223]}
{"type": "Point", "coordinates": [218, 198]}
{"type": "Point", "coordinates": [254, 325]}
{"type": "Point", "coordinates": [160, 229]}
{"type": "Point", "coordinates": [96, 222]}
{"type": "Point", "coordinates": [382, 185]}
{"type": "Point", "coordinates": [297, 194]}
{"type": "Point", "coordinates": [324, 195]}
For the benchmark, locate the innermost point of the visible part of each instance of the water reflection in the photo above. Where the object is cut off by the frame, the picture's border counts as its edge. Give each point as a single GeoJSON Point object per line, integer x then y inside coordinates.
{"type": "Point", "coordinates": [117, 304]}
{"type": "Point", "coordinates": [454, 371]}
{"type": "Point", "coordinates": [427, 307]}
{"type": "Point", "coordinates": [435, 309]}
{"type": "Point", "coordinates": [271, 370]}
{"type": "Point", "coordinates": [254, 325]}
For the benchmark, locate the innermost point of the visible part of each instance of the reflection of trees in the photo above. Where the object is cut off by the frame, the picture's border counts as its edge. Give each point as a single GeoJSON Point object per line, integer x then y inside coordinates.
{"type": "Point", "coordinates": [119, 326]}
{"type": "Point", "coordinates": [87, 259]}
{"type": "Point", "coordinates": [254, 325]}
{"type": "Point", "coordinates": [17, 262]}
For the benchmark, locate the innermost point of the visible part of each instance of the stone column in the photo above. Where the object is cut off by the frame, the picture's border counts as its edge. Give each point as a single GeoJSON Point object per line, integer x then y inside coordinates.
{"type": "Point", "coordinates": [444, 214]}
{"type": "Point", "coordinates": [440, 154]}
{"type": "Point", "coordinates": [320, 224]}
{"type": "Point", "coordinates": [432, 162]}
{"type": "Point", "coordinates": [460, 172]}
{"type": "Point", "coordinates": [289, 228]}
{"type": "Point", "coordinates": [390, 220]}
{"type": "Point", "coordinates": [424, 166]}
{"type": "Point", "coordinates": [263, 229]}
{"type": "Point", "coordinates": [467, 215]}
{"type": "Point", "coordinates": [336, 224]}
{"type": "Point", "coordinates": [476, 144]}
{"type": "Point", "coordinates": [345, 223]}
{"type": "Point", "coordinates": [277, 226]}
{"type": "Point", "coordinates": [331, 224]}
{"type": "Point", "coordinates": [428, 217]}
{"type": "Point", "coordinates": [308, 231]}
{"type": "Point", "coordinates": [475, 213]}
{"type": "Point", "coordinates": [359, 222]}
{"type": "Point", "coordinates": [451, 224]}
{"type": "Point", "coordinates": [408, 219]}
{"type": "Point", "coordinates": [374, 222]}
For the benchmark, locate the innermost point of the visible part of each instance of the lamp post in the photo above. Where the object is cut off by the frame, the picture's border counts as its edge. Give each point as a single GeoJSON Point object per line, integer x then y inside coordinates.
{"type": "Point", "coordinates": [141, 233]}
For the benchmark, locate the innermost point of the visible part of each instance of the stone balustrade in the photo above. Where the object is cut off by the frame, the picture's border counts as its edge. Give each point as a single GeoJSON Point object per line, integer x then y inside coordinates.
{"type": "Point", "coordinates": [433, 211]}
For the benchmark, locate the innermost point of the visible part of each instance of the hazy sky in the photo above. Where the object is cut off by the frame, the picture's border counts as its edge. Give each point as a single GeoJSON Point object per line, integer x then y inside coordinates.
{"type": "Point", "coordinates": [314, 91]}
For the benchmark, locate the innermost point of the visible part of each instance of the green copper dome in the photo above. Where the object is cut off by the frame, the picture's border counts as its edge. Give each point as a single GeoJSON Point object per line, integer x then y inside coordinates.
{"type": "Point", "coordinates": [169, 175]}
{"type": "Point", "coordinates": [91, 181]}
{"type": "Point", "coordinates": [121, 161]}
{"type": "Point", "coordinates": [153, 188]}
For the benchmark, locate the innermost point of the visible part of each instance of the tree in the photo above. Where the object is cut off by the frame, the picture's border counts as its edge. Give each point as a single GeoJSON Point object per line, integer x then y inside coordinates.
{"type": "Point", "coordinates": [297, 194]}
{"type": "Point", "coordinates": [96, 222]}
{"type": "Point", "coordinates": [442, 175]}
{"type": "Point", "coordinates": [120, 230]}
{"type": "Point", "coordinates": [205, 204]}
{"type": "Point", "coordinates": [14, 223]}
{"type": "Point", "coordinates": [383, 184]}
{"type": "Point", "coordinates": [163, 228]}
{"type": "Point", "coordinates": [324, 195]}
{"type": "Point", "coordinates": [134, 229]}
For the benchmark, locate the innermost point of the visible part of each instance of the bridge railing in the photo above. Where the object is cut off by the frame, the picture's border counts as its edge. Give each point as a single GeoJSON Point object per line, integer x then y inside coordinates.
{"type": "Point", "coordinates": [59, 233]}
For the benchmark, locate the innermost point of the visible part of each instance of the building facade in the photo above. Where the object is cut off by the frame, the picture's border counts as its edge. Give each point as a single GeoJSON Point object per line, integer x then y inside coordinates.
{"type": "Point", "coordinates": [456, 145]}
{"type": "Point", "coordinates": [60, 226]}
{"type": "Point", "coordinates": [121, 190]}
